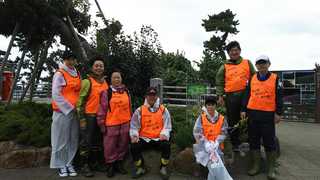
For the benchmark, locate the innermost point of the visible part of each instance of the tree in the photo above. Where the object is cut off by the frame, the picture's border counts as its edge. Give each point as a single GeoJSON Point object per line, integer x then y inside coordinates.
{"type": "Point", "coordinates": [176, 69]}
{"type": "Point", "coordinates": [41, 21]}
{"type": "Point", "coordinates": [222, 25]}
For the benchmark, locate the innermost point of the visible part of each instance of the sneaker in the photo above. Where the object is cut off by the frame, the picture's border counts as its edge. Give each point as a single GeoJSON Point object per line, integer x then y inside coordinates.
{"type": "Point", "coordinates": [138, 172]}
{"type": "Point", "coordinates": [72, 171]}
{"type": "Point", "coordinates": [63, 172]}
{"type": "Point", "coordinates": [164, 173]}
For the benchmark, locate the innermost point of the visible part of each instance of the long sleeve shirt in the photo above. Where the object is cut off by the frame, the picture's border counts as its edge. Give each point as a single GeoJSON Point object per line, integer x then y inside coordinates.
{"type": "Point", "coordinates": [220, 77]}
{"type": "Point", "coordinates": [84, 92]}
{"type": "Point", "coordinates": [58, 82]}
{"type": "Point", "coordinates": [198, 128]}
{"type": "Point", "coordinates": [279, 101]}
{"type": "Point", "coordinates": [135, 123]}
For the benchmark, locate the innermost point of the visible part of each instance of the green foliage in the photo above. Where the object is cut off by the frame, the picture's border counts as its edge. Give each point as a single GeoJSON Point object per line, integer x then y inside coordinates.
{"type": "Point", "coordinates": [182, 129]}
{"type": "Point", "coordinates": [222, 25]}
{"type": "Point", "coordinates": [27, 123]}
{"type": "Point", "coordinates": [176, 70]}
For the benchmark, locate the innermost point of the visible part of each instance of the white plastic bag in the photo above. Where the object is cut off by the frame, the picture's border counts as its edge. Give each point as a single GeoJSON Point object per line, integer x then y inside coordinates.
{"type": "Point", "coordinates": [217, 170]}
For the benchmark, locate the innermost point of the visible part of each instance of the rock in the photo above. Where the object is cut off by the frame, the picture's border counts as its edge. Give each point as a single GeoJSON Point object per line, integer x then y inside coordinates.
{"type": "Point", "coordinates": [19, 159]}
{"type": "Point", "coordinates": [7, 146]}
{"type": "Point", "coordinates": [185, 163]}
{"type": "Point", "coordinates": [43, 156]}
{"type": "Point", "coordinates": [13, 155]}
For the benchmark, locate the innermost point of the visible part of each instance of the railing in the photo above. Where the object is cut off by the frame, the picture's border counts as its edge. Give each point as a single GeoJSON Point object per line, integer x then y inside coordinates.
{"type": "Point", "coordinates": [299, 106]}
{"type": "Point", "coordinates": [179, 96]}
{"type": "Point", "coordinates": [42, 92]}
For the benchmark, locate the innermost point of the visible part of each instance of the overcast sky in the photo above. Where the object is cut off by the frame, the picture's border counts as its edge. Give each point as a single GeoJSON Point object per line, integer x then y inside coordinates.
{"type": "Point", "coordinates": [288, 32]}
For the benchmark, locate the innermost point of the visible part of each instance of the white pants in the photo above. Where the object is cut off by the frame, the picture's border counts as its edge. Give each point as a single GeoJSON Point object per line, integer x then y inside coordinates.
{"type": "Point", "coordinates": [64, 139]}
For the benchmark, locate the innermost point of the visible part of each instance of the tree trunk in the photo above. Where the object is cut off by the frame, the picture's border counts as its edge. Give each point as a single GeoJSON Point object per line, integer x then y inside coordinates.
{"type": "Point", "coordinates": [69, 39]}
{"type": "Point", "coordinates": [6, 57]}
{"type": "Point", "coordinates": [38, 68]}
{"type": "Point", "coordinates": [15, 81]}
{"type": "Point", "coordinates": [75, 34]}
{"type": "Point", "coordinates": [26, 88]}
{"type": "Point", "coordinates": [103, 17]}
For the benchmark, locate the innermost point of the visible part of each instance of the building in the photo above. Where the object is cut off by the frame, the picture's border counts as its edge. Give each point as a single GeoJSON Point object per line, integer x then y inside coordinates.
{"type": "Point", "coordinates": [299, 86]}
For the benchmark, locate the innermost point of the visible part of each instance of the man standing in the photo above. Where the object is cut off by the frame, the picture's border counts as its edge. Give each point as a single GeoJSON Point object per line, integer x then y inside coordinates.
{"type": "Point", "coordinates": [231, 80]}
{"type": "Point", "coordinates": [66, 86]}
{"type": "Point", "coordinates": [262, 104]}
{"type": "Point", "coordinates": [150, 128]}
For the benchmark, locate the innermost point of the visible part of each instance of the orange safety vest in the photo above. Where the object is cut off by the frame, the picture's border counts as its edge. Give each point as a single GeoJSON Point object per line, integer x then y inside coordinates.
{"type": "Point", "coordinates": [263, 94]}
{"type": "Point", "coordinates": [93, 99]}
{"type": "Point", "coordinates": [151, 122]}
{"type": "Point", "coordinates": [236, 76]}
{"type": "Point", "coordinates": [71, 90]}
{"type": "Point", "coordinates": [212, 130]}
{"type": "Point", "coordinates": [120, 109]}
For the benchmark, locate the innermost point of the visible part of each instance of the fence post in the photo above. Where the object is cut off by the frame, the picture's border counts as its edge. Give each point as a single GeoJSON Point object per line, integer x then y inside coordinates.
{"type": "Point", "coordinates": [158, 83]}
{"type": "Point", "coordinates": [317, 93]}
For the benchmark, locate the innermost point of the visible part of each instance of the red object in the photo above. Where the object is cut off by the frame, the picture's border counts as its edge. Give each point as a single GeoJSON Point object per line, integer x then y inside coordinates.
{"type": "Point", "coordinates": [7, 85]}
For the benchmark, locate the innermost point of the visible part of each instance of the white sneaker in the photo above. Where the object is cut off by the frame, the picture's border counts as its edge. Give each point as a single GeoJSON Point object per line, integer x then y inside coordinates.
{"type": "Point", "coordinates": [72, 171]}
{"type": "Point", "coordinates": [63, 172]}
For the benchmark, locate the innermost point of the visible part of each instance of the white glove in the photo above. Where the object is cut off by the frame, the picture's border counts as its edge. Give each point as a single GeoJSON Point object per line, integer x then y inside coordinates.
{"type": "Point", "coordinates": [209, 146]}
{"type": "Point", "coordinates": [216, 145]}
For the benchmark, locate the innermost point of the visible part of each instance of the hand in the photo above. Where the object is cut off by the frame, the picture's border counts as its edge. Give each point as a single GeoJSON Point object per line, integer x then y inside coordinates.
{"type": "Point", "coordinates": [220, 101]}
{"type": "Point", "coordinates": [198, 139]}
{"type": "Point", "coordinates": [83, 123]}
{"type": "Point", "coordinates": [216, 145]}
{"type": "Point", "coordinates": [243, 115]}
{"type": "Point", "coordinates": [277, 118]}
{"type": "Point", "coordinates": [134, 139]}
{"type": "Point", "coordinates": [163, 137]}
{"type": "Point", "coordinates": [209, 146]}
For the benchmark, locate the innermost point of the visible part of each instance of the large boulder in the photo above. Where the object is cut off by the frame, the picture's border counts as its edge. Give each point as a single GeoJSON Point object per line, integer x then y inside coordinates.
{"type": "Point", "coordinates": [185, 163]}
{"type": "Point", "coordinates": [15, 156]}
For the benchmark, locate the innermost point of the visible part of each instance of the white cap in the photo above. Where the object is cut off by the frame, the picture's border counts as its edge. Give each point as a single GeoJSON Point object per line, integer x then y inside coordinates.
{"type": "Point", "coordinates": [263, 57]}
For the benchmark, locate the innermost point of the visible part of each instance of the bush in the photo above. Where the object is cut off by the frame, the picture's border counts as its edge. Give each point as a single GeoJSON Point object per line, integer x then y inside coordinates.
{"type": "Point", "coordinates": [182, 128]}
{"type": "Point", "coordinates": [26, 123]}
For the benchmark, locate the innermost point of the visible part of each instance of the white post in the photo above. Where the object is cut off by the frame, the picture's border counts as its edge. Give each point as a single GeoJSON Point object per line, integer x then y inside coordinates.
{"type": "Point", "coordinates": [158, 83]}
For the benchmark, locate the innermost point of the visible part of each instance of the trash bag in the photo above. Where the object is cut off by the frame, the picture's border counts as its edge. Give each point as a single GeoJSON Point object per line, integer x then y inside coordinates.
{"type": "Point", "coordinates": [202, 157]}
{"type": "Point", "coordinates": [217, 170]}
{"type": "Point", "coordinates": [212, 160]}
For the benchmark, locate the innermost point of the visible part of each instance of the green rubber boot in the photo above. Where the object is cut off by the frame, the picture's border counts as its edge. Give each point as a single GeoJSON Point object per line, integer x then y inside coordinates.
{"type": "Point", "coordinates": [255, 166]}
{"type": "Point", "coordinates": [271, 159]}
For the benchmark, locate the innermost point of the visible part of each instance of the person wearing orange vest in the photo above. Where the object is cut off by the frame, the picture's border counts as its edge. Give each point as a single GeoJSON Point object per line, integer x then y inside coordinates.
{"type": "Point", "coordinates": [150, 127]}
{"type": "Point", "coordinates": [66, 86]}
{"type": "Point", "coordinates": [262, 104]}
{"type": "Point", "coordinates": [91, 149]}
{"type": "Point", "coordinates": [210, 131]}
{"type": "Point", "coordinates": [231, 81]}
{"type": "Point", "coordinates": [114, 120]}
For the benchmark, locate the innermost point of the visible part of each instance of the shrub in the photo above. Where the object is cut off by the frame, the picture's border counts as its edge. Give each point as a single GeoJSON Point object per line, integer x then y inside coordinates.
{"type": "Point", "coordinates": [27, 123]}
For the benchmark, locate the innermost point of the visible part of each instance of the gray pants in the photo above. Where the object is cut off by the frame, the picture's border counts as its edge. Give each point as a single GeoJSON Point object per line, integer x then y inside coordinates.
{"type": "Point", "coordinates": [64, 139]}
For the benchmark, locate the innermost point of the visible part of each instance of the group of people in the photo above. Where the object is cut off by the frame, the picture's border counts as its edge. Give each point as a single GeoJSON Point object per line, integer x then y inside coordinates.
{"type": "Point", "coordinates": [99, 116]}
{"type": "Point", "coordinates": [102, 115]}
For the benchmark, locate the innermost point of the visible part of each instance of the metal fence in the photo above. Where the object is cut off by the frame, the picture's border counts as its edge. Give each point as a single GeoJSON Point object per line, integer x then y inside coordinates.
{"type": "Point", "coordinates": [42, 92]}
{"type": "Point", "coordinates": [299, 101]}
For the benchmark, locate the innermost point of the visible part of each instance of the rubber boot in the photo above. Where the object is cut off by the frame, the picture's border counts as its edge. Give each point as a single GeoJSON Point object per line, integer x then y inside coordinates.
{"type": "Point", "coordinates": [110, 170]}
{"type": "Point", "coordinates": [271, 159]}
{"type": "Point", "coordinates": [255, 166]}
{"type": "Point", "coordinates": [86, 171]}
{"type": "Point", "coordinates": [119, 167]}
{"type": "Point", "coordinates": [163, 169]}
